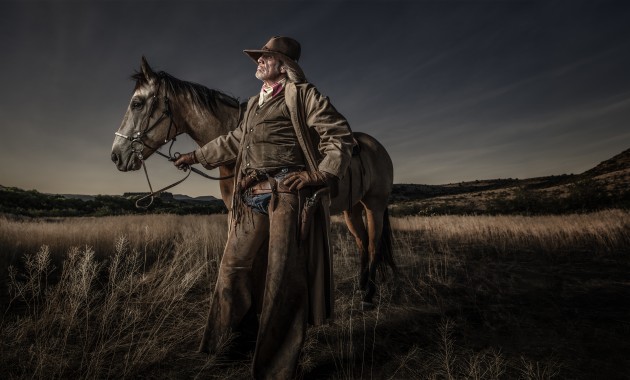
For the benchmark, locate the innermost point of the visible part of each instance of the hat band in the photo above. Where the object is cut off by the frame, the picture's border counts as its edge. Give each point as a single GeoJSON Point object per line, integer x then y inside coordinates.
{"type": "Point", "coordinates": [266, 49]}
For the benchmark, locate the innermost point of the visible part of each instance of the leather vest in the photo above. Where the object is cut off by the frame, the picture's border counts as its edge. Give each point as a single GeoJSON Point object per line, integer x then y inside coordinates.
{"type": "Point", "coordinates": [270, 141]}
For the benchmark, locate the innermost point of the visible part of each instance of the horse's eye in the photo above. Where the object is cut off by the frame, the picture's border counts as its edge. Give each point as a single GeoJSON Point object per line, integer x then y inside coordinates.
{"type": "Point", "coordinates": [136, 105]}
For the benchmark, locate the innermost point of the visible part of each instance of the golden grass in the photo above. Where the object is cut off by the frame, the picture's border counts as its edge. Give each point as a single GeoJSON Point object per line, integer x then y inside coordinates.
{"type": "Point", "coordinates": [148, 234]}
{"type": "Point", "coordinates": [599, 232]}
{"type": "Point", "coordinates": [130, 295]}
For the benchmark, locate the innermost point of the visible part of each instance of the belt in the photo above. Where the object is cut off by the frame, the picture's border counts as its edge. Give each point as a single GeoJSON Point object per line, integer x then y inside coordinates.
{"type": "Point", "coordinates": [258, 181]}
{"type": "Point", "coordinates": [264, 187]}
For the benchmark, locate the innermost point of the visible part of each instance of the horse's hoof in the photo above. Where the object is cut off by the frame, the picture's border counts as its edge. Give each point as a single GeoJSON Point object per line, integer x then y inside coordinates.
{"type": "Point", "coordinates": [365, 306]}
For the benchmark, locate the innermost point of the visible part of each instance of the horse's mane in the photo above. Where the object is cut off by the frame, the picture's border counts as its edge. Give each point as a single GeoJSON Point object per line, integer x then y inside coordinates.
{"type": "Point", "coordinates": [201, 95]}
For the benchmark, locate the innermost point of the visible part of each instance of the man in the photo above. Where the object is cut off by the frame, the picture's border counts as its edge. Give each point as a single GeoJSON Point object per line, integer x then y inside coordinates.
{"type": "Point", "coordinates": [291, 147]}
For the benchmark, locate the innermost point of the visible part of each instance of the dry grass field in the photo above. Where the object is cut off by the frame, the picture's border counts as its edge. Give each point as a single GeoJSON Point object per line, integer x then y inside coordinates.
{"type": "Point", "coordinates": [477, 297]}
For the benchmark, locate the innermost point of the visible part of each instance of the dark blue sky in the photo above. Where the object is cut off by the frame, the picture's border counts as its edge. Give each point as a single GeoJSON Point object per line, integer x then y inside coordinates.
{"type": "Point", "coordinates": [455, 90]}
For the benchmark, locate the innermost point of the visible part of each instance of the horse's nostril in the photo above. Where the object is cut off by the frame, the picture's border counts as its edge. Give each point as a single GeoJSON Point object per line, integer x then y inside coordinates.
{"type": "Point", "coordinates": [115, 158]}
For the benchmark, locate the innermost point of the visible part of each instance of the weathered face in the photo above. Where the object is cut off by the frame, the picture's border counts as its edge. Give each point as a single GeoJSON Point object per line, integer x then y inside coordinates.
{"type": "Point", "coordinates": [269, 70]}
{"type": "Point", "coordinates": [144, 110]}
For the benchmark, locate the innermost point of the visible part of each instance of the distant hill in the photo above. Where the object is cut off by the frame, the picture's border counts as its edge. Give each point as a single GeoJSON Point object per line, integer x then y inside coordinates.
{"type": "Point", "coordinates": [82, 197]}
{"type": "Point", "coordinates": [165, 196]}
{"type": "Point", "coordinates": [604, 186]}
{"type": "Point", "coordinates": [618, 163]}
{"type": "Point", "coordinates": [15, 201]}
{"type": "Point", "coordinates": [200, 199]}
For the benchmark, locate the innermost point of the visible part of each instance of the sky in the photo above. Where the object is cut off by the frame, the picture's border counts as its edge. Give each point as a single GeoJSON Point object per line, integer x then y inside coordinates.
{"type": "Point", "coordinates": [455, 90]}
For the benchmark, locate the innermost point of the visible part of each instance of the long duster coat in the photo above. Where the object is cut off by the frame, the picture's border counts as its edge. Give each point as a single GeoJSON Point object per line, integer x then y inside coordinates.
{"type": "Point", "coordinates": [326, 141]}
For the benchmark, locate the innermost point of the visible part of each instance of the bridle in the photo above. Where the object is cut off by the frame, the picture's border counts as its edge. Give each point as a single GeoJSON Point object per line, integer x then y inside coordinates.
{"type": "Point", "coordinates": [136, 139]}
{"type": "Point", "coordinates": [138, 144]}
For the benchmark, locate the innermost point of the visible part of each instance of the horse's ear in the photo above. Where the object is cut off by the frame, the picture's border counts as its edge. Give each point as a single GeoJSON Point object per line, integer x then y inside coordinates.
{"type": "Point", "coordinates": [149, 75]}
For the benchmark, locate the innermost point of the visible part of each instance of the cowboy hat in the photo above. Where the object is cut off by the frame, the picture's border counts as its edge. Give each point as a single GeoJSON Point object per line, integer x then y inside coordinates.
{"type": "Point", "coordinates": [284, 48]}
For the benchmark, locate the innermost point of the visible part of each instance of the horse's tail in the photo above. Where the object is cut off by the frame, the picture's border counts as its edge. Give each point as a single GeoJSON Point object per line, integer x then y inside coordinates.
{"type": "Point", "coordinates": [386, 244]}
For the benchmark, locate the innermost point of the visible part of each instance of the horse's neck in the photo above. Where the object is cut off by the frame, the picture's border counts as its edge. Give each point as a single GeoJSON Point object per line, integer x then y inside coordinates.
{"type": "Point", "coordinates": [203, 124]}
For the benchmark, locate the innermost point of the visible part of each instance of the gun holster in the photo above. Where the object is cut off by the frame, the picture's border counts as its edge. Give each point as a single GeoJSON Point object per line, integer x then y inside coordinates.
{"type": "Point", "coordinates": [308, 211]}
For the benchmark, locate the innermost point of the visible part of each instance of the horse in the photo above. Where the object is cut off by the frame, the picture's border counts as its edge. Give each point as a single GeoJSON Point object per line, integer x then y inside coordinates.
{"type": "Point", "coordinates": [162, 107]}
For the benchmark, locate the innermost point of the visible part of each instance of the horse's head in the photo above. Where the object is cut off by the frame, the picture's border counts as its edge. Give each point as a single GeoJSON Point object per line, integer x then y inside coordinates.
{"type": "Point", "coordinates": [147, 124]}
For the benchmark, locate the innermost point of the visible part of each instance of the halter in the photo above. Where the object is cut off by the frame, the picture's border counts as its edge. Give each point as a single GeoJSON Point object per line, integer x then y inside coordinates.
{"type": "Point", "coordinates": [138, 145]}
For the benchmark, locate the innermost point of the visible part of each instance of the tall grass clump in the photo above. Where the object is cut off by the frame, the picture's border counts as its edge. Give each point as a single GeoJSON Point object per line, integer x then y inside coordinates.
{"type": "Point", "coordinates": [146, 234]}
{"type": "Point", "coordinates": [108, 318]}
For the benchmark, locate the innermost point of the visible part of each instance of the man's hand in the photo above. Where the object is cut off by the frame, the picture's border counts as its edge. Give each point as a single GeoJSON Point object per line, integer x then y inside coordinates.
{"type": "Point", "coordinates": [297, 180]}
{"type": "Point", "coordinates": [185, 160]}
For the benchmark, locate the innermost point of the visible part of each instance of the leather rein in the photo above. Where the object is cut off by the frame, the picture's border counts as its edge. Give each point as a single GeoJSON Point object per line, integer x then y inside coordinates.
{"type": "Point", "coordinates": [138, 145]}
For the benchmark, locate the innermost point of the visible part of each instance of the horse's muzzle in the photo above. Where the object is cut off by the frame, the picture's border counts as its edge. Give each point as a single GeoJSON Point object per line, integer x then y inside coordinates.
{"type": "Point", "coordinates": [125, 165]}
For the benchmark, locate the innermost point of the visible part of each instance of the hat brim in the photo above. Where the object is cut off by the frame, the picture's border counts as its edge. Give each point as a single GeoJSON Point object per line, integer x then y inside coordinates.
{"type": "Point", "coordinates": [255, 54]}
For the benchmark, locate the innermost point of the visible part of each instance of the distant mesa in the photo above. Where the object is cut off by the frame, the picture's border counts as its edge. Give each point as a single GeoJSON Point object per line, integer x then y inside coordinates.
{"type": "Point", "coordinates": [82, 197]}
{"type": "Point", "coordinates": [165, 196]}
{"type": "Point", "coordinates": [170, 197]}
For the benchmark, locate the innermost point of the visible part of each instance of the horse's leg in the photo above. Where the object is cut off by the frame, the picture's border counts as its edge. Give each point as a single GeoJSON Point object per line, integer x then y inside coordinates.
{"type": "Point", "coordinates": [374, 218]}
{"type": "Point", "coordinates": [354, 221]}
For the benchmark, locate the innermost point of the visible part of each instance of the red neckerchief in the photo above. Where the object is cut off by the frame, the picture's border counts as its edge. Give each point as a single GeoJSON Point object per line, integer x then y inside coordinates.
{"type": "Point", "coordinates": [268, 92]}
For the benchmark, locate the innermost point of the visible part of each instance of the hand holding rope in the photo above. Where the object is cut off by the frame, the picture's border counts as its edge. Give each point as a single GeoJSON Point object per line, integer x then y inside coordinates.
{"type": "Point", "coordinates": [183, 161]}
